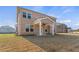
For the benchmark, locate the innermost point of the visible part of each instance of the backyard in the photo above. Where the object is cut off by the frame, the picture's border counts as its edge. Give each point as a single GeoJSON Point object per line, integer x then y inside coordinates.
{"type": "Point", "coordinates": [60, 42]}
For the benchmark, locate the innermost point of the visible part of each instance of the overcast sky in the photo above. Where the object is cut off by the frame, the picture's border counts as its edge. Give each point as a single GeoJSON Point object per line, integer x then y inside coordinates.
{"type": "Point", "coordinates": [64, 14]}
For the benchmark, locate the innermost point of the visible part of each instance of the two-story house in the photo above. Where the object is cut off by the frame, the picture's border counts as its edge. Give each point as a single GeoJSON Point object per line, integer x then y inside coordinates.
{"type": "Point", "coordinates": [34, 23]}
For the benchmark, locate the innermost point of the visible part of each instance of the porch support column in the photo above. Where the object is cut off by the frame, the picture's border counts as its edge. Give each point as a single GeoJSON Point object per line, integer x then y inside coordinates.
{"type": "Point", "coordinates": [40, 30]}
{"type": "Point", "coordinates": [53, 29]}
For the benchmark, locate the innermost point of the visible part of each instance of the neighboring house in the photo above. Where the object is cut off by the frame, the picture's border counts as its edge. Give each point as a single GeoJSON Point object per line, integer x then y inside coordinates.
{"type": "Point", "coordinates": [30, 22]}
{"type": "Point", "coordinates": [61, 28]}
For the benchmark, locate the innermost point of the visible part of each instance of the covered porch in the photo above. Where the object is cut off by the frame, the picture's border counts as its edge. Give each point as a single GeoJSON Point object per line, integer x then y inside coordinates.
{"type": "Point", "coordinates": [44, 26]}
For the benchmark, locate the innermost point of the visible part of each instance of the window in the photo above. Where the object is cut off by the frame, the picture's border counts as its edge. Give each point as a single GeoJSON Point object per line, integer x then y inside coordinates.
{"type": "Point", "coordinates": [29, 16]}
{"type": "Point", "coordinates": [45, 30]}
{"type": "Point", "coordinates": [29, 28]}
{"type": "Point", "coordinates": [24, 14]}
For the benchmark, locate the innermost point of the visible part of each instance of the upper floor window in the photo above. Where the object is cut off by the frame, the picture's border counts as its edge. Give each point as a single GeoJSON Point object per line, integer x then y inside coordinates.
{"type": "Point", "coordinates": [29, 16]}
{"type": "Point", "coordinates": [24, 14]}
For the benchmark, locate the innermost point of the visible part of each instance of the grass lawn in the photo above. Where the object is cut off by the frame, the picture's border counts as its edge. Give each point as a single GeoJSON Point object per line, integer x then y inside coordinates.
{"type": "Point", "coordinates": [11, 42]}
{"type": "Point", "coordinates": [60, 42]}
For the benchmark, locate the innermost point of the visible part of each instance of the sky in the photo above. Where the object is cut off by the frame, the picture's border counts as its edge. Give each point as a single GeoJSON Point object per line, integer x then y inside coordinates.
{"type": "Point", "coordinates": [68, 15]}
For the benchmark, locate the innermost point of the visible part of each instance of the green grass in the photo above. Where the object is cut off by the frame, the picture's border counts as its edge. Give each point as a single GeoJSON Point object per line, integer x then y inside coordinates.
{"type": "Point", "coordinates": [12, 42]}
{"type": "Point", "coordinates": [6, 35]}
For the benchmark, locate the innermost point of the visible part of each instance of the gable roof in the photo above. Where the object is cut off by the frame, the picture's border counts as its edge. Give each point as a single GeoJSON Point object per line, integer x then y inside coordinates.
{"type": "Point", "coordinates": [39, 20]}
{"type": "Point", "coordinates": [51, 17]}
